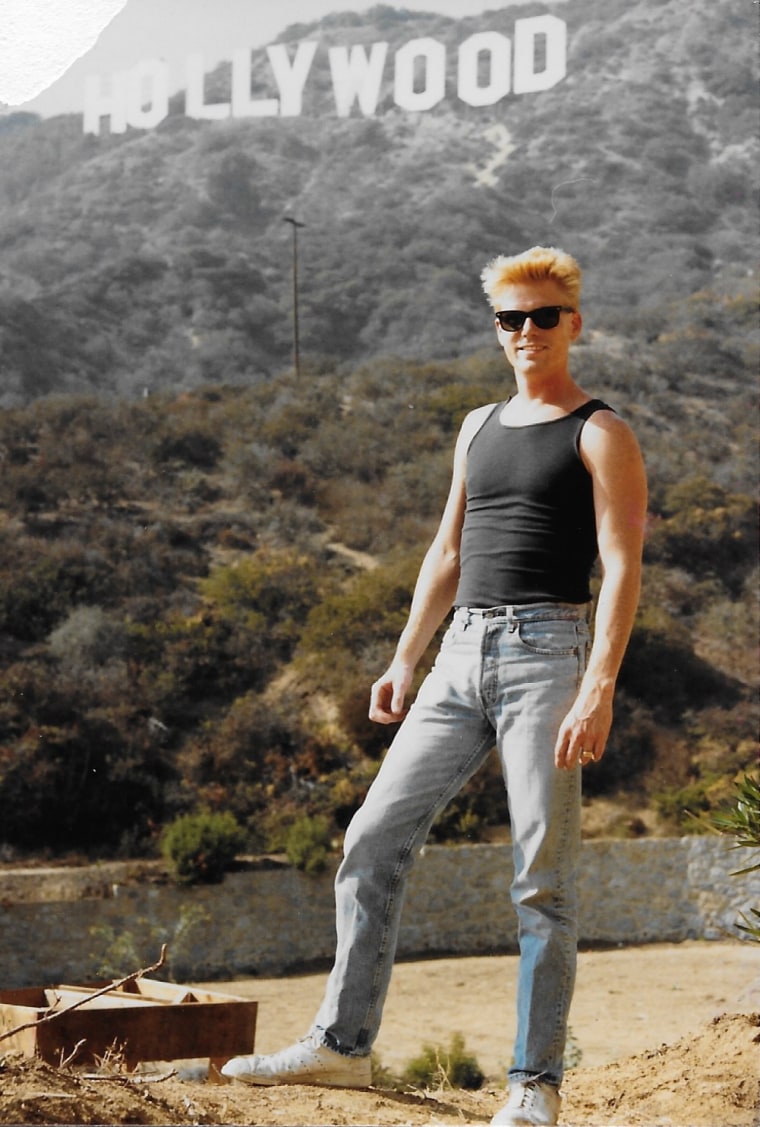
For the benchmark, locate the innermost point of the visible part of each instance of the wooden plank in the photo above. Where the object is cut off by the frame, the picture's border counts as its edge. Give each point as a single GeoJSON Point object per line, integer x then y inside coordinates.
{"type": "Point", "coordinates": [11, 1016]}
{"type": "Point", "coordinates": [61, 997]}
{"type": "Point", "coordinates": [168, 992]}
{"type": "Point", "coordinates": [155, 988]}
{"type": "Point", "coordinates": [153, 1032]}
{"type": "Point", "coordinates": [31, 996]}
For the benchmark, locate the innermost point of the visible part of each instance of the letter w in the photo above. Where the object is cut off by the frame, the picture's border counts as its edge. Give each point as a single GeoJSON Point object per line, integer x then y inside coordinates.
{"type": "Point", "coordinates": [355, 76]}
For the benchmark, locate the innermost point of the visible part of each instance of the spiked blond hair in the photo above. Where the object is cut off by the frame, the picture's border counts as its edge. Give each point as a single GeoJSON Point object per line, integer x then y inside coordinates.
{"type": "Point", "coordinates": [538, 264]}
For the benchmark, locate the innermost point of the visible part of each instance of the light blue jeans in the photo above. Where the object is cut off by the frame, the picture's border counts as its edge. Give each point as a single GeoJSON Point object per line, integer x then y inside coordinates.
{"type": "Point", "coordinates": [509, 676]}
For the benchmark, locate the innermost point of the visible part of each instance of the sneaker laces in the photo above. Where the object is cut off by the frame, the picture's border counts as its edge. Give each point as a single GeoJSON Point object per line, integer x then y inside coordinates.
{"type": "Point", "coordinates": [530, 1091]}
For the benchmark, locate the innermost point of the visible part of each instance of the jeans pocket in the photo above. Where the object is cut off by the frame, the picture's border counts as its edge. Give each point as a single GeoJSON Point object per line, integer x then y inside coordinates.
{"type": "Point", "coordinates": [553, 637]}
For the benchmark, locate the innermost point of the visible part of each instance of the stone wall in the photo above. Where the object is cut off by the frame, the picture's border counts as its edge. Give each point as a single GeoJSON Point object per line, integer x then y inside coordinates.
{"type": "Point", "coordinates": [268, 920]}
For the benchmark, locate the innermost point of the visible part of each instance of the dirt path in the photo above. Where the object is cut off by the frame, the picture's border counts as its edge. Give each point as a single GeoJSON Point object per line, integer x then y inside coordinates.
{"type": "Point", "coordinates": [653, 1052]}
{"type": "Point", "coordinates": [627, 1000]}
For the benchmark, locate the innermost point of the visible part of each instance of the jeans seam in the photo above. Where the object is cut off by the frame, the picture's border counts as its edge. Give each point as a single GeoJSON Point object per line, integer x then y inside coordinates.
{"type": "Point", "coordinates": [562, 1004]}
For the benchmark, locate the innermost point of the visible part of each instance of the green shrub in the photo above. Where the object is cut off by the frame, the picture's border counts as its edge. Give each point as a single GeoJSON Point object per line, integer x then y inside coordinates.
{"type": "Point", "coordinates": [308, 843]}
{"type": "Point", "coordinates": [573, 1051]}
{"type": "Point", "coordinates": [685, 807]}
{"type": "Point", "coordinates": [742, 822]}
{"type": "Point", "coordinates": [270, 593]}
{"type": "Point", "coordinates": [438, 1067]}
{"type": "Point", "coordinates": [200, 847]}
{"type": "Point", "coordinates": [118, 952]}
{"type": "Point", "coordinates": [193, 445]}
{"type": "Point", "coordinates": [372, 609]}
{"type": "Point", "coordinates": [706, 529]}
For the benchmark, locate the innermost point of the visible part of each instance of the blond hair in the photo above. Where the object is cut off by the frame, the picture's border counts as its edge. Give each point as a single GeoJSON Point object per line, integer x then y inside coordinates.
{"type": "Point", "coordinates": [539, 264]}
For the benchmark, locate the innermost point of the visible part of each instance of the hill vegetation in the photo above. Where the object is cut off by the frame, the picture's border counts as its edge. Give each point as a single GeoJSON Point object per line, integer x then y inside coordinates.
{"type": "Point", "coordinates": [205, 561]}
{"type": "Point", "coordinates": [159, 259]}
{"type": "Point", "coordinates": [197, 590]}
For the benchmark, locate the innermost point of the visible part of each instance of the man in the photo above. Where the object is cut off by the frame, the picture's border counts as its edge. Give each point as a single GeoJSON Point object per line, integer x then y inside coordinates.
{"type": "Point", "coordinates": [541, 484]}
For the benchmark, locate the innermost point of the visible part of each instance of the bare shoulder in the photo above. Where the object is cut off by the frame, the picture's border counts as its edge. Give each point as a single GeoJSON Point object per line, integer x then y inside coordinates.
{"type": "Point", "coordinates": [605, 431]}
{"type": "Point", "coordinates": [611, 453]}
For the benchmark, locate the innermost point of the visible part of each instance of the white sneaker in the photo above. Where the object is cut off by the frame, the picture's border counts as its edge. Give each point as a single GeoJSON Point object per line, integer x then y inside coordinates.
{"type": "Point", "coordinates": [306, 1062]}
{"type": "Point", "coordinates": [531, 1104]}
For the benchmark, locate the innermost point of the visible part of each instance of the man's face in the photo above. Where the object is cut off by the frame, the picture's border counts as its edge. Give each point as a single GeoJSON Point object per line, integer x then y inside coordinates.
{"type": "Point", "coordinates": [531, 350]}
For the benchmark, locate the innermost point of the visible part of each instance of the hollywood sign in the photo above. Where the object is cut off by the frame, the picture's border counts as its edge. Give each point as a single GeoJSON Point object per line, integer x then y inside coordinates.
{"type": "Point", "coordinates": [489, 66]}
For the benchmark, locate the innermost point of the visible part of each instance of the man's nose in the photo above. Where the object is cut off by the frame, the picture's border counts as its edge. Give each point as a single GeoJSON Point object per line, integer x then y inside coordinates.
{"type": "Point", "coordinates": [529, 326]}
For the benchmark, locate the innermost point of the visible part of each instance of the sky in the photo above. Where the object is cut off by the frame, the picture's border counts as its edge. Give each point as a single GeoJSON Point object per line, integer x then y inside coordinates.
{"type": "Point", "coordinates": [48, 47]}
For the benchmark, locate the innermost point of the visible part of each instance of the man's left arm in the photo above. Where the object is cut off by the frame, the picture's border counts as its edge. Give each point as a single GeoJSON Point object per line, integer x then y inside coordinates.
{"type": "Point", "coordinates": [612, 456]}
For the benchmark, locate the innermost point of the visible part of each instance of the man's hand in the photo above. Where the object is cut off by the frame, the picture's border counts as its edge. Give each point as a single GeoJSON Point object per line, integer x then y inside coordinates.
{"type": "Point", "coordinates": [386, 705]}
{"type": "Point", "coordinates": [584, 732]}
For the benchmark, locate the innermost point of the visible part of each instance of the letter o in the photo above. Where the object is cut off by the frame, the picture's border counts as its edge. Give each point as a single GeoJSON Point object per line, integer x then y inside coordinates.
{"type": "Point", "coordinates": [404, 94]}
{"type": "Point", "coordinates": [500, 50]}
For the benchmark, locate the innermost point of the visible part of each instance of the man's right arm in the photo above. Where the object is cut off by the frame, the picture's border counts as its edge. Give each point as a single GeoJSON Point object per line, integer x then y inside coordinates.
{"type": "Point", "coordinates": [434, 591]}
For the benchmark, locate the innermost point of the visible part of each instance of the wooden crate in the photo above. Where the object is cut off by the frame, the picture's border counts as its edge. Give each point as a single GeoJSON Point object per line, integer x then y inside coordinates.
{"type": "Point", "coordinates": [146, 1020]}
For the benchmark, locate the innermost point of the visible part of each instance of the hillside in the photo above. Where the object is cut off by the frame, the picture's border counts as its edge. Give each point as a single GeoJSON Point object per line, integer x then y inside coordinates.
{"type": "Point", "coordinates": [205, 560]}
{"type": "Point", "coordinates": [196, 592]}
{"type": "Point", "coordinates": [158, 258]}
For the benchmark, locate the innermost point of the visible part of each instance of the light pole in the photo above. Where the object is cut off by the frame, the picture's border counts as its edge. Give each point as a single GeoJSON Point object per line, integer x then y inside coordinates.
{"type": "Point", "coordinates": [296, 352]}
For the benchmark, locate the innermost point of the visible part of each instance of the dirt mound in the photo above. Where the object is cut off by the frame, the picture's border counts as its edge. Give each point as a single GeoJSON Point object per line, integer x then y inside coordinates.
{"type": "Point", "coordinates": [710, 1080]}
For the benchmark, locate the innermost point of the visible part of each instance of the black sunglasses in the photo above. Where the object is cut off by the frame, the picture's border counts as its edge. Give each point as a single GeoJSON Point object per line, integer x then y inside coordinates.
{"type": "Point", "coordinates": [547, 317]}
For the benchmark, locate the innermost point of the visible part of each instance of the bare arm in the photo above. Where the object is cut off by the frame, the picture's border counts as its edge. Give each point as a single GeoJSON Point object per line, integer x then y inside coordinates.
{"type": "Point", "coordinates": [614, 461]}
{"type": "Point", "coordinates": [434, 591]}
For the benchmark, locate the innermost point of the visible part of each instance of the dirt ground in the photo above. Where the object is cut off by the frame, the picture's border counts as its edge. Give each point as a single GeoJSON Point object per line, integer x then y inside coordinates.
{"type": "Point", "coordinates": [663, 1035]}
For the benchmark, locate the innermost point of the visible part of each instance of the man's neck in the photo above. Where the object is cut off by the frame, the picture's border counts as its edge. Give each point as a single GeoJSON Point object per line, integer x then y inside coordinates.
{"type": "Point", "coordinates": [548, 398]}
{"type": "Point", "coordinates": [547, 389]}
